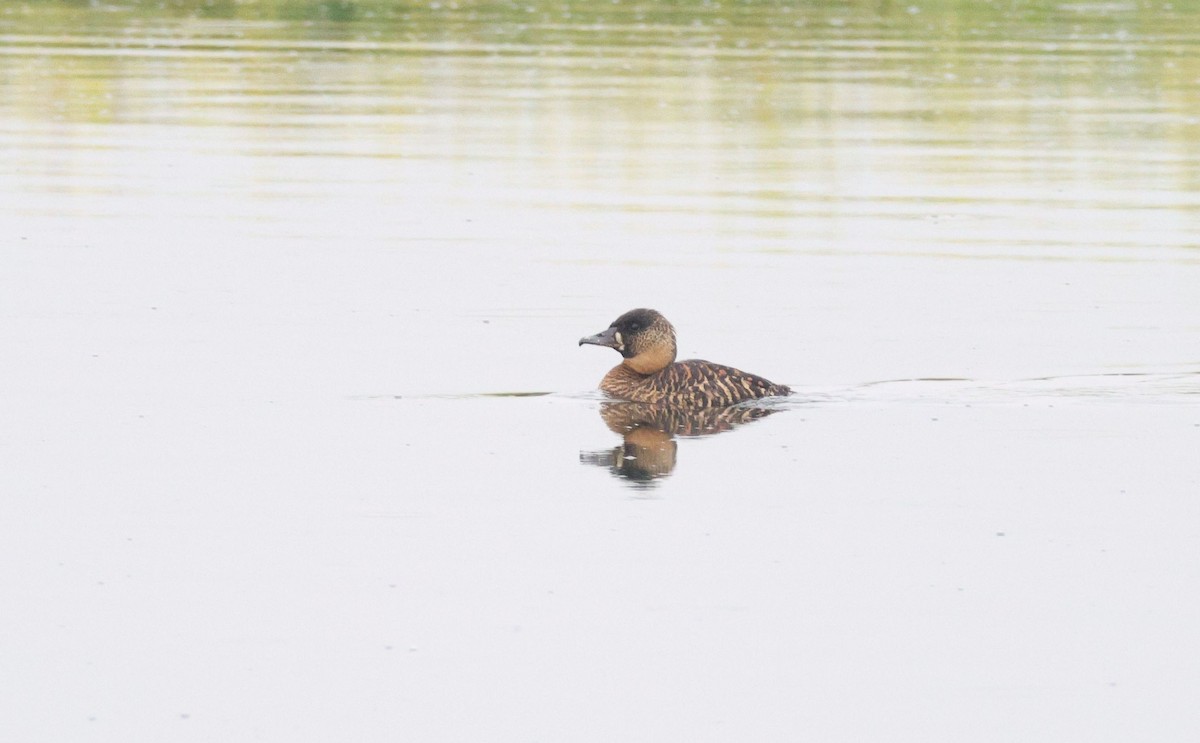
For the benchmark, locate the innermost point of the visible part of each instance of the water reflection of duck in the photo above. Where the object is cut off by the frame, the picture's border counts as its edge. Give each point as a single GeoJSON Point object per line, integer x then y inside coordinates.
{"type": "Point", "coordinates": [650, 374]}
{"type": "Point", "coordinates": [648, 430]}
{"type": "Point", "coordinates": [626, 417]}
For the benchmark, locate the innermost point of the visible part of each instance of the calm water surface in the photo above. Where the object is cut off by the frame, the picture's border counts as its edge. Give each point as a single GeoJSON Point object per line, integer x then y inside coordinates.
{"type": "Point", "coordinates": [270, 270]}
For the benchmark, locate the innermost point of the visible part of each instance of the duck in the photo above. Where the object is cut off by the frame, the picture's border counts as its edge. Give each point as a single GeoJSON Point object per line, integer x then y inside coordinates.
{"type": "Point", "coordinates": [649, 372]}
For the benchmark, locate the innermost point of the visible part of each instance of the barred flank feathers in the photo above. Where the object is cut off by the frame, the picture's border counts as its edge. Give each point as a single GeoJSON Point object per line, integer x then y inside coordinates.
{"type": "Point", "coordinates": [692, 383]}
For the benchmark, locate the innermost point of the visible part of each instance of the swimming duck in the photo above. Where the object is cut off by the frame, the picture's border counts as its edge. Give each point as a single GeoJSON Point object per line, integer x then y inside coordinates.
{"type": "Point", "coordinates": [650, 373]}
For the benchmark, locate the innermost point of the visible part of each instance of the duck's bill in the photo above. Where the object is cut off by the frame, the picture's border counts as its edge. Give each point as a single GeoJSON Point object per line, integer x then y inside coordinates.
{"type": "Point", "coordinates": [607, 338]}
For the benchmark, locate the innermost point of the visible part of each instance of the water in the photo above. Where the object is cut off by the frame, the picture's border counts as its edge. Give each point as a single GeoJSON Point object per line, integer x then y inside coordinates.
{"type": "Point", "coordinates": [298, 443]}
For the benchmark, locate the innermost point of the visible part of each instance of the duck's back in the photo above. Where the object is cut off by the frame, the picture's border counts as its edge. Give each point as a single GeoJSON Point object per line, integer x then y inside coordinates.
{"type": "Point", "coordinates": [692, 383]}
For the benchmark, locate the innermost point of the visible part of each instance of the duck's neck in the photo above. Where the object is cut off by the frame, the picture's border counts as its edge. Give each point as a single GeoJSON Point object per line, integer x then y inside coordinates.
{"type": "Point", "coordinates": [652, 361]}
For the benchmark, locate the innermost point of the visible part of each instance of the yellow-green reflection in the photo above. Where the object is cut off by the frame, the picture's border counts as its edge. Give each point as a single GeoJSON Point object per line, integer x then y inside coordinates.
{"type": "Point", "coordinates": [1035, 130]}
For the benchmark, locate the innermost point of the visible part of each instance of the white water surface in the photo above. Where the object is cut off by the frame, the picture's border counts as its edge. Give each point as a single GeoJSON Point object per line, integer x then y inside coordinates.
{"type": "Point", "coordinates": [268, 285]}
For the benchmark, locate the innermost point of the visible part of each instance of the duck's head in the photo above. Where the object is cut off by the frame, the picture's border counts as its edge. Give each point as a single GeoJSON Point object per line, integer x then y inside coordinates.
{"type": "Point", "coordinates": [643, 337]}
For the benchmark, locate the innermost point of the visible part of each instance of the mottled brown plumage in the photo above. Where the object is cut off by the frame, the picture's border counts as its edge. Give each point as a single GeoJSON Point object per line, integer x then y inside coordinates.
{"type": "Point", "coordinates": [650, 374]}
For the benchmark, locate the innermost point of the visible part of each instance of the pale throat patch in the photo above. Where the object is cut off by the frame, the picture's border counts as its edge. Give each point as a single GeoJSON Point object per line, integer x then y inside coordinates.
{"type": "Point", "coordinates": [649, 362]}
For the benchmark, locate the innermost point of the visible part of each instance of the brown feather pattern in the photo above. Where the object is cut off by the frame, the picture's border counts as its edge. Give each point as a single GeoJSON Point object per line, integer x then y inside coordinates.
{"type": "Point", "coordinates": [691, 383]}
{"type": "Point", "coordinates": [650, 374]}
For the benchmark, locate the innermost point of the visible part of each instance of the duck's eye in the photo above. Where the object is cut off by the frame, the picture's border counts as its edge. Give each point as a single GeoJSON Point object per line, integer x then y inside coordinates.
{"type": "Point", "coordinates": [635, 326]}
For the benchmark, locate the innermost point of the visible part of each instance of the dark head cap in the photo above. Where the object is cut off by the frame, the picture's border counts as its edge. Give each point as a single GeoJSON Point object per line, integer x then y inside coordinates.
{"type": "Point", "coordinates": [642, 336]}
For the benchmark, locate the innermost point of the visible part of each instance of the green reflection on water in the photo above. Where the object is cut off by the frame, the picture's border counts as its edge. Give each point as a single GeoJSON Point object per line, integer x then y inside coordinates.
{"type": "Point", "coordinates": [1116, 45]}
{"type": "Point", "coordinates": [775, 111]}
{"type": "Point", "coordinates": [703, 20]}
